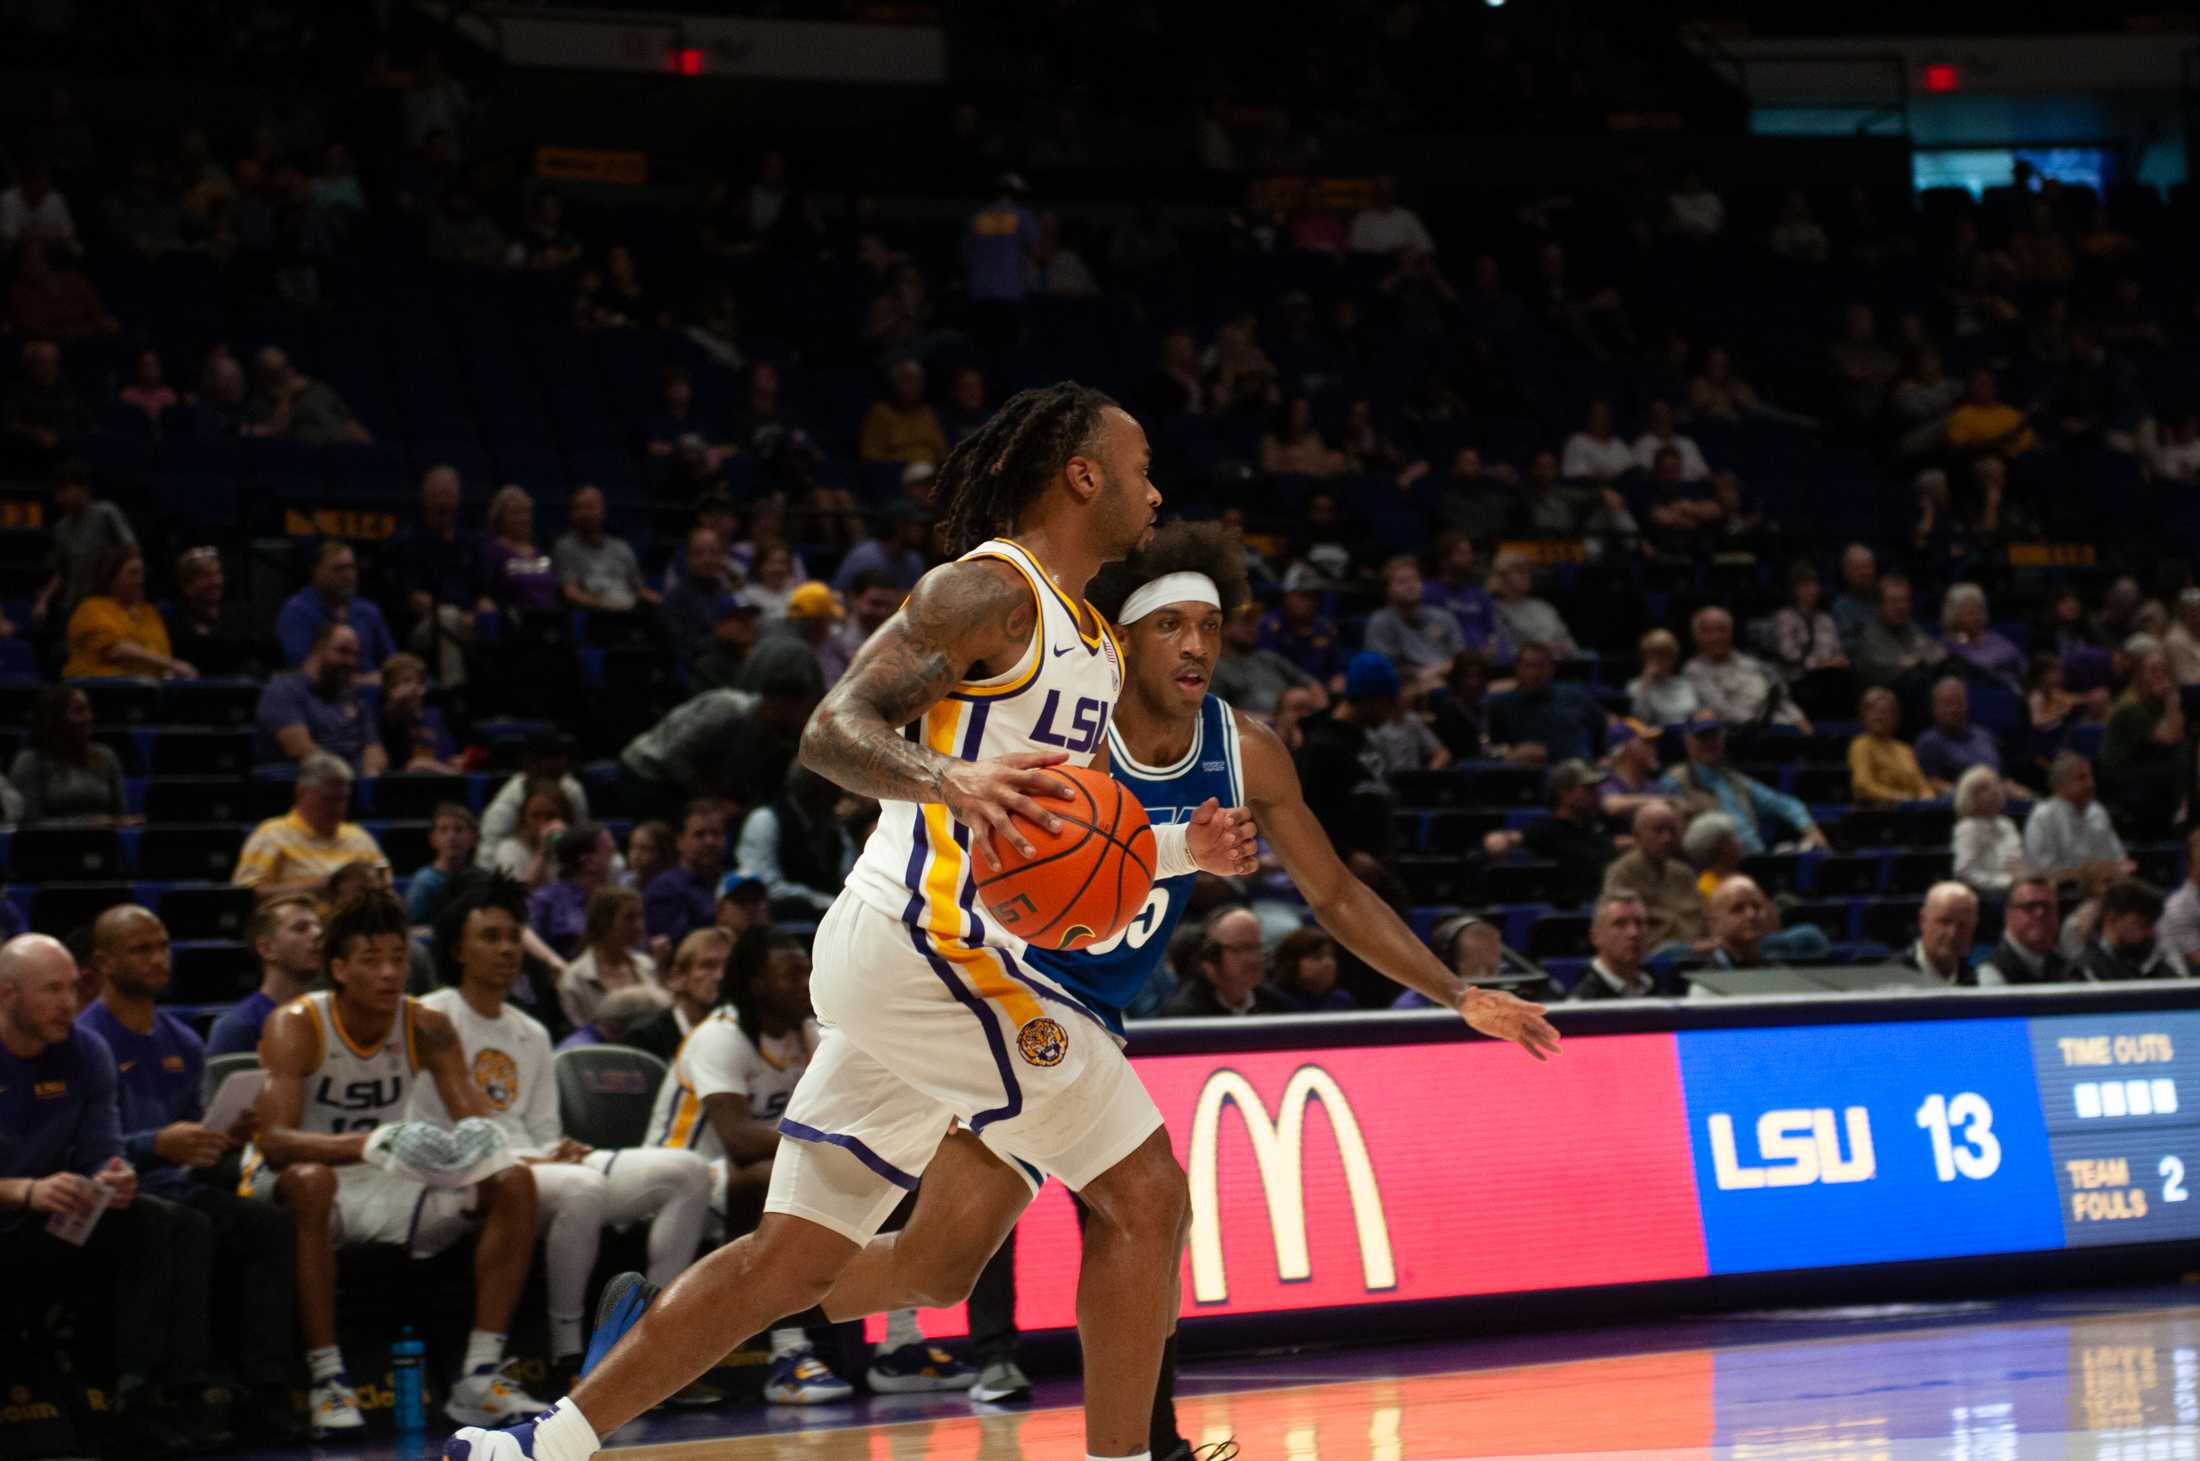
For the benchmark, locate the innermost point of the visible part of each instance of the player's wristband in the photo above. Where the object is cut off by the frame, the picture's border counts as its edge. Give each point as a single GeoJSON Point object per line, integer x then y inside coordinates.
{"type": "Point", "coordinates": [1172, 853]}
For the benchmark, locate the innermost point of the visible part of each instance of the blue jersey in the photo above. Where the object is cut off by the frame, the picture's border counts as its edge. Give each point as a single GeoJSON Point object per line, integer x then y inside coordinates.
{"type": "Point", "coordinates": [1108, 975]}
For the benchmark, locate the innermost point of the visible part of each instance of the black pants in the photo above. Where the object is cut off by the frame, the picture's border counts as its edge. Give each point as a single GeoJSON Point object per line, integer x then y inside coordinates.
{"type": "Point", "coordinates": [253, 1313]}
{"type": "Point", "coordinates": [141, 1278]}
{"type": "Point", "coordinates": [992, 1307]}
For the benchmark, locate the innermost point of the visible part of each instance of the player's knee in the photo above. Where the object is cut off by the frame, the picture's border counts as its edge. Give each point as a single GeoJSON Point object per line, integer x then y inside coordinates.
{"type": "Point", "coordinates": [689, 1180]}
{"type": "Point", "coordinates": [945, 1281]}
{"type": "Point", "coordinates": [806, 1260]}
{"type": "Point", "coordinates": [512, 1187]}
{"type": "Point", "coordinates": [1157, 1203]}
{"type": "Point", "coordinates": [308, 1189]}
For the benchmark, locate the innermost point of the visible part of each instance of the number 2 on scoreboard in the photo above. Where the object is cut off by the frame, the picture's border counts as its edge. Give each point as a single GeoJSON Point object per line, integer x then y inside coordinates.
{"type": "Point", "coordinates": [1967, 1118]}
{"type": "Point", "coordinates": [2172, 1172]}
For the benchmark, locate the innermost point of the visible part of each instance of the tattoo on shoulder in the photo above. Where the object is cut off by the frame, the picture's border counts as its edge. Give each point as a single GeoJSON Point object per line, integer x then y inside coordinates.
{"type": "Point", "coordinates": [433, 1033]}
{"type": "Point", "coordinates": [959, 614]}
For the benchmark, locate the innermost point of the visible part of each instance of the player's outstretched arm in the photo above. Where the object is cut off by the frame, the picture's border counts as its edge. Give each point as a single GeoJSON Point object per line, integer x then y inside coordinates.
{"type": "Point", "coordinates": [444, 1059]}
{"type": "Point", "coordinates": [1351, 911]}
{"type": "Point", "coordinates": [290, 1051]}
{"type": "Point", "coordinates": [961, 614]}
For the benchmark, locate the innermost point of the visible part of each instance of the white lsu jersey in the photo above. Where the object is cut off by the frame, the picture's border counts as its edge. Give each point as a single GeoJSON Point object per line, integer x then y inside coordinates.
{"type": "Point", "coordinates": [353, 1087]}
{"type": "Point", "coordinates": [716, 1059]}
{"type": "Point", "coordinates": [358, 1087]}
{"type": "Point", "coordinates": [917, 866]}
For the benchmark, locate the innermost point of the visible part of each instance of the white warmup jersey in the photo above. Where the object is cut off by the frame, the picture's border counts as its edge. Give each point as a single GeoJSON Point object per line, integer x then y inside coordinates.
{"type": "Point", "coordinates": [353, 1087]}
{"type": "Point", "coordinates": [717, 1059]}
{"type": "Point", "coordinates": [917, 866]}
{"type": "Point", "coordinates": [509, 1059]}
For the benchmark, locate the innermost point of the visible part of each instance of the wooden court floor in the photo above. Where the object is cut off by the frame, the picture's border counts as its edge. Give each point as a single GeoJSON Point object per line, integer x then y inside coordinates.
{"type": "Point", "coordinates": [2108, 1386]}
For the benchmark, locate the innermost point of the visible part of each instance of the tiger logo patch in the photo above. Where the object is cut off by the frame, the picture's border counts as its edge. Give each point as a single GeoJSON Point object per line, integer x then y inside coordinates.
{"type": "Point", "coordinates": [1042, 1042]}
{"type": "Point", "coordinates": [498, 1076]}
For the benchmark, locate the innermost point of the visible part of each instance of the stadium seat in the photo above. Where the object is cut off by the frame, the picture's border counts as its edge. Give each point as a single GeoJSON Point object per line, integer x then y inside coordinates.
{"type": "Point", "coordinates": [64, 854]}
{"type": "Point", "coordinates": [62, 909]}
{"type": "Point", "coordinates": [405, 844]}
{"type": "Point", "coordinates": [221, 1067]}
{"type": "Point", "coordinates": [1890, 921]}
{"type": "Point", "coordinates": [123, 702]}
{"type": "Point", "coordinates": [207, 913]}
{"type": "Point", "coordinates": [202, 752]}
{"type": "Point", "coordinates": [1558, 934]}
{"type": "Point", "coordinates": [211, 703]}
{"type": "Point", "coordinates": [190, 854]}
{"type": "Point", "coordinates": [195, 799]}
{"type": "Point", "coordinates": [606, 1093]}
{"type": "Point", "coordinates": [1437, 879]}
{"type": "Point", "coordinates": [1845, 876]}
{"type": "Point", "coordinates": [1916, 871]}
{"type": "Point", "coordinates": [414, 797]}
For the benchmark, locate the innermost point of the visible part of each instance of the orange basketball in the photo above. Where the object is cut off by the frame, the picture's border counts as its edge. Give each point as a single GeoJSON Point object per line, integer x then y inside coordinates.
{"type": "Point", "coordinates": [1083, 883]}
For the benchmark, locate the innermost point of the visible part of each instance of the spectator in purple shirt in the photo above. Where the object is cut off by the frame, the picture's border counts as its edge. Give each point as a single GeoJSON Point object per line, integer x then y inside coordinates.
{"type": "Point", "coordinates": [1454, 588]}
{"type": "Point", "coordinates": [318, 707]}
{"type": "Point", "coordinates": [558, 910]}
{"type": "Point", "coordinates": [1964, 628]}
{"type": "Point", "coordinates": [1297, 630]}
{"type": "Point", "coordinates": [1953, 745]}
{"type": "Point", "coordinates": [332, 598]}
{"type": "Point", "coordinates": [684, 896]}
{"type": "Point", "coordinates": [160, 1064]}
{"type": "Point", "coordinates": [997, 243]}
{"type": "Point", "coordinates": [516, 573]}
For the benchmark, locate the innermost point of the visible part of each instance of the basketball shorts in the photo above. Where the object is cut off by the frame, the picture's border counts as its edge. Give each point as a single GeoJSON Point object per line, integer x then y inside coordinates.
{"type": "Point", "coordinates": [374, 1206]}
{"type": "Point", "coordinates": [915, 1035]}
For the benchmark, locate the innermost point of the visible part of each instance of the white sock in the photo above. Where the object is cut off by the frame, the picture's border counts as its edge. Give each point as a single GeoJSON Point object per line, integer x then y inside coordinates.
{"type": "Point", "coordinates": [901, 1329]}
{"type": "Point", "coordinates": [787, 1341]}
{"type": "Point", "coordinates": [1134, 1456]}
{"type": "Point", "coordinates": [565, 1335]}
{"type": "Point", "coordinates": [326, 1363]}
{"type": "Point", "coordinates": [482, 1348]}
{"type": "Point", "coordinates": [563, 1434]}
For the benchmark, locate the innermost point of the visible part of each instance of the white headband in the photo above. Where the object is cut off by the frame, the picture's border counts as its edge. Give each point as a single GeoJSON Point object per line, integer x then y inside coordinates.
{"type": "Point", "coordinates": [1169, 588]}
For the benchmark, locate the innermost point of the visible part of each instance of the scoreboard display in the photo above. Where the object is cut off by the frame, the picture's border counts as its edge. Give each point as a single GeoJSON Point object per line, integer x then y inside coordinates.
{"type": "Point", "coordinates": [1334, 1173]}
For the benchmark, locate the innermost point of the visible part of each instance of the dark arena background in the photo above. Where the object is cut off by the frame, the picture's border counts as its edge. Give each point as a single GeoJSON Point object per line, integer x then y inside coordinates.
{"type": "Point", "coordinates": [1720, 490]}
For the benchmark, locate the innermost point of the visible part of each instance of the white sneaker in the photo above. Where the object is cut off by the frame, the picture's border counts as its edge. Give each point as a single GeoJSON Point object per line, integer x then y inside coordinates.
{"type": "Point", "coordinates": [335, 1409]}
{"type": "Point", "coordinates": [489, 1397]}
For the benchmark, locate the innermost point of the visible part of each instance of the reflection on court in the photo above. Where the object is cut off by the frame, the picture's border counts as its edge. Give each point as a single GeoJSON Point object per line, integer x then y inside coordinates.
{"type": "Point", "coordinates": [2114, 1387]}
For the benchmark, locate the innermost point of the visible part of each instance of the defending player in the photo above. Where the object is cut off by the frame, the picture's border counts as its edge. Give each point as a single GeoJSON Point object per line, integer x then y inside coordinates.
{"type": "Point", "coordinates": [578, 1190]}
{"type": "Point", "coordinates": [928, 1013]}
{"type": "Point", "coordinates": [342, 1064]}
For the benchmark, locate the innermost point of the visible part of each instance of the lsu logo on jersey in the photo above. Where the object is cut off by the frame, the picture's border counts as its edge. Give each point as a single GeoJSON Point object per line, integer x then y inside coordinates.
{"type": "Point", "coordinates": [498, 1076]}
{"type": "Point", "coordinates": [1042, 1042]}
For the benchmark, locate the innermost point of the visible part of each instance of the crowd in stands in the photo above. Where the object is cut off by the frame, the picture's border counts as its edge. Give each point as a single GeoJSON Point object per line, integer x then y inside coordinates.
{"type": "Point", "coordinates": [372, 528]}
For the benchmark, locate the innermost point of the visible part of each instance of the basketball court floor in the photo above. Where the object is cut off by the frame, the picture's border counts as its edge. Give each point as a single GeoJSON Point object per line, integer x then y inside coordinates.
{"type": "Point", "coordinates": [2097, 1374]}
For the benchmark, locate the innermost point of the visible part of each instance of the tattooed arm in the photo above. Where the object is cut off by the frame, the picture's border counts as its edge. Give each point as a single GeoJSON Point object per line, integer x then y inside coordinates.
{"type": "Point", "coordinates": [435, 1038]}
{"type": "Point", "coordinates": [961, 615]}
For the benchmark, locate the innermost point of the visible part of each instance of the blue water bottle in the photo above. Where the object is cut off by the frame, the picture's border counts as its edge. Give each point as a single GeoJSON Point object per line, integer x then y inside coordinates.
{"type": "Point", "coordinates": [408, 1407]}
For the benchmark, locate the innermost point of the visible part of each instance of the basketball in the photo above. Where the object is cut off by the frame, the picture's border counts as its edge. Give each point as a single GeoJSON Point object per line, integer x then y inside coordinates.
{"type": "Point", "coordinates": [1081, 885]}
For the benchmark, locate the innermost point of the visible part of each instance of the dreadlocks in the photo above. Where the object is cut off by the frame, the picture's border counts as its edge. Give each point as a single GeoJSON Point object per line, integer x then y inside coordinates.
{"type": "Point", "coordinates": [997, 471]}
{"type": "Point", "coordinates": [1181, 547]}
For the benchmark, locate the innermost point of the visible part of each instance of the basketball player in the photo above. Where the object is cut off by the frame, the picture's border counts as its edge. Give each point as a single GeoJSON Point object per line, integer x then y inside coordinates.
{"type": "Point", "coordinates": [928, 1012]}
{"type": "Point", "coordinates": [578, 1190]}
{"type": "Point", "coordinates": [341, 1062]}
{"type": "Point", "coordinates": [1179, 748]}
{"type": "Point", "coordinates": [723, 1098]}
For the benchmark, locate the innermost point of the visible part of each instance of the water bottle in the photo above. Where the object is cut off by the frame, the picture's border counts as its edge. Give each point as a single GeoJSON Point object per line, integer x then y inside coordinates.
{"type": "Point", "coordinates": [408, 1406]}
